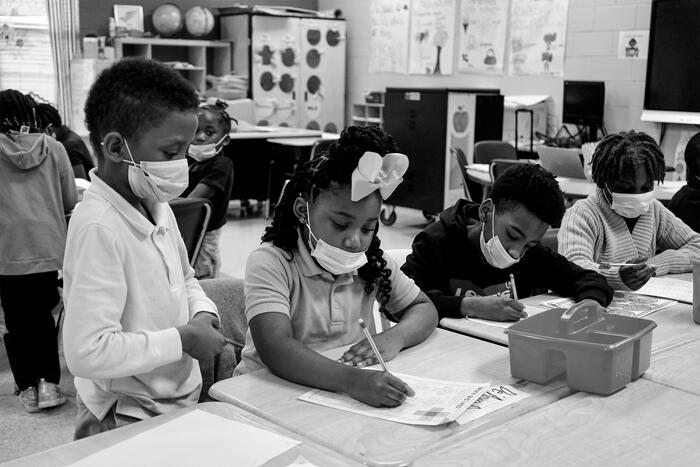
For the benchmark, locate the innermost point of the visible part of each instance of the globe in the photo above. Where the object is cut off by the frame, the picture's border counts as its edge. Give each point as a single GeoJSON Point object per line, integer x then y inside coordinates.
{"type": "Point", "coordinates": [199, 21]}
{"type": "Point", "coordinates": [167, 19]}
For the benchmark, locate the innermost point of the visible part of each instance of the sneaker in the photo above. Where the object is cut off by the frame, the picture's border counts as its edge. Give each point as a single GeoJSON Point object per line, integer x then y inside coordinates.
{"type": "Point", "coordinates": [28, 398]}
{"type": "Point", "coordinates": [49, 395]}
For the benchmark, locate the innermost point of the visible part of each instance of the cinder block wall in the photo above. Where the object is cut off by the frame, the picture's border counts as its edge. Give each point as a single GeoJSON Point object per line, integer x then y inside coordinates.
{"type": "Point", "coordinates": [591, 54]}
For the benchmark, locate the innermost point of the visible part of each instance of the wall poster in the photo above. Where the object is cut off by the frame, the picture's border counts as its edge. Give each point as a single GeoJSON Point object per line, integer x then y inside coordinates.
{"type": "Point", "coordinates": [432, 37]}
{"type": "Point", "coordinates": [482, 30]}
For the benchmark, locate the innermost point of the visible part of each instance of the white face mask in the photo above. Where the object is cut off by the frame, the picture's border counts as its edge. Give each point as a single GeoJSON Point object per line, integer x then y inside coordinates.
{"type": "Point", "coordinates": [493, 250]}
{"type": "Point", "coordinates": [203, 152]}
{"type": "Point", "coordinates": [629, 205]}
{"type": "Point", "coordinates": [159, 181]}
{"type": "Point", "coordinates": [333, 259]}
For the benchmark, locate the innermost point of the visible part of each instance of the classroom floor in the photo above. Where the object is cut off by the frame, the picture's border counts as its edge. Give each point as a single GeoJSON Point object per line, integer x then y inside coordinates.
{"type": "Point", "coordinates": [22, 433]}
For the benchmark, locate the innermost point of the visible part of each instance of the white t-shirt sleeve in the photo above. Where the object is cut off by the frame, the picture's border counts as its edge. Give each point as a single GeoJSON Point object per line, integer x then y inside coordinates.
{"type": "Point", "coordinates": [267, 284]}
{"type": "Point", "coordinates": [95, 290]}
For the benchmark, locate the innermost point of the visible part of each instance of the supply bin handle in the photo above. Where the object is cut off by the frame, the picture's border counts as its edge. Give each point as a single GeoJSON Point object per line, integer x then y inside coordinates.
{"type": "Point", "coordinates": [579, 317]}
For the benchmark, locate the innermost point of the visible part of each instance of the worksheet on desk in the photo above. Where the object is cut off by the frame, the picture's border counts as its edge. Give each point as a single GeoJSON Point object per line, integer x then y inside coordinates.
{"type": "Point", "coordinates": [623, 303]}
{"type": "Point", "coordinates": [436, 401]}
{"type": "Point", "coordinates": [668, 287]}
{"type": "Point", "coordinates": [529, 309]}
{"type": "Point", "coordinates": [195, 439]}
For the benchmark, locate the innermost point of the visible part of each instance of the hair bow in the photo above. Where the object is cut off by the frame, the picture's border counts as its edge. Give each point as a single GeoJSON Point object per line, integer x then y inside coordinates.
{"type": "Point", "coordinates": [375, 172]}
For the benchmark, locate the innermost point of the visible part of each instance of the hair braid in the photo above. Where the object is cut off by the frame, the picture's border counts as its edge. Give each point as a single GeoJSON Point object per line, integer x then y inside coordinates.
{"type": "Point", "coordinates": [17, 110]}
{"type": "Point", "coordinates": [620, 153]}
{"type": "Point", "coordinates": [335, 166]}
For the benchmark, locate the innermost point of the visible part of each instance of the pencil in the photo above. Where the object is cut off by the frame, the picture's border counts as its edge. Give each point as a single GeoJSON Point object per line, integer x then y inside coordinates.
{"type": "Point", "coordinates": [371, 343]}
{"type": "Point", "coordinates": [606, 265]}
{"type": "Point", "coordinates": [512, 287]}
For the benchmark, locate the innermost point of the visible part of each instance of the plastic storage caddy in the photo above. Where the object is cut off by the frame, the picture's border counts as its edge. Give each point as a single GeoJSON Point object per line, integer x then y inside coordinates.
{"type": "Point", "coordinates": [599, 352]}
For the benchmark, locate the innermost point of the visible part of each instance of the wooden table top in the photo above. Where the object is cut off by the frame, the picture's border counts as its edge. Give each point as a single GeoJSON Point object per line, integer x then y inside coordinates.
{"type": "Point", "coordinates": [645, 423]}
{"type": "Point", "coordinates": [73, 452]}
{"type": "Point", "coordinates": [678, 366]}
{"type": "Point", "coordinates": [374, 441]}
{"type": "Point", "coordinates": [675, 324]}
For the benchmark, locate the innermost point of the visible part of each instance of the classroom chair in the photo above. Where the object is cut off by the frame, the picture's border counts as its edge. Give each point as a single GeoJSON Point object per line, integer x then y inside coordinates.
{"type": "Point", "coordinates": [472, 190]}
{"type": "Point", "coordinates": [227, 294]}
{"type": "Point", "coordinates": [550, 239]}
{"type": "Point", "coordinates": [192, 216]}
{"type": "Point", "coordinates": [486, 151]}
{"type": "Point", "coordinates": [498, 166]}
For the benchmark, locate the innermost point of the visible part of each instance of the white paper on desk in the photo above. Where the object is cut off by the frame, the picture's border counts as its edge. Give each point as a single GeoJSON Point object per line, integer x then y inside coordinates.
{"type": "Point", "coordinates": [436, 401]}
{"type": "Point", "coordinates": [196, 439]}
{"type": "Point", "coordinates": [623, 303]}
{"type": "Point", "coordinates": [529, 309]}
{"type": "Point", "coordinates": [668, 287]}
{"type": "Point", "coordinates": [495, 398]}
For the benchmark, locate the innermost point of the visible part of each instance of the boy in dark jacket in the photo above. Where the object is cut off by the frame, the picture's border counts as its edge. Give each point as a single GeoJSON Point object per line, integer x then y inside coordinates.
{"type": "Point", "coordinates": [464, 261]}
{"type": "Point", "coordinates": [686, 203]}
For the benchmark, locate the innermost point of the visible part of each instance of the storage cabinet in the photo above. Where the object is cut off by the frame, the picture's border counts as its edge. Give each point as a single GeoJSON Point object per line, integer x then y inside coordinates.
{"type": "Point", "coordinates": [195, 59]}
{"type": "Point", "coordinates": [428, 125]}
{"type": "Point", "coordinates": [296, 65]}
{"type": "Point", "coordinates": [368, 115]}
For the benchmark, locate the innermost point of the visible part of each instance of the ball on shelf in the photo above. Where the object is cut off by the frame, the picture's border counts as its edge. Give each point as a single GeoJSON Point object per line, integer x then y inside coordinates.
{"type": "Point", "coordinates": [167, 19]}
{"type": "Point", "coordinates": [199, 21]}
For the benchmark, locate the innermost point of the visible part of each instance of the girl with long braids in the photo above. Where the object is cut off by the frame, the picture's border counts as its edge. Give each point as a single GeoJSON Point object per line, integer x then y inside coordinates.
{"type": "Point", "coordinates": [623, 222]}
{"type": "Point", "coordinates": [321, 268]}
{"type": "Point", "coordinates": [37, 189]}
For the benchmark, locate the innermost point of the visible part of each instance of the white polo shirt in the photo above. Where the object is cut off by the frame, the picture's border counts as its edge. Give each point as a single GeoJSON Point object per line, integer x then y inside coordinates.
{"type": "Point", "coordinates": [127, 285]}
{"type": "Point", "coordinates": [323, 309]}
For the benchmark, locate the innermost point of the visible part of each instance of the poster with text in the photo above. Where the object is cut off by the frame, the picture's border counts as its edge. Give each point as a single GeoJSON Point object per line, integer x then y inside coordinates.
{"type": "Point", "coordinates": [482, 42]}
{"type": "Point", "coordinates": [432, 37]}
{"type": "Point", "coordinates": [390, 23]}
{"type": "Point", "coordinates": [537, 37]}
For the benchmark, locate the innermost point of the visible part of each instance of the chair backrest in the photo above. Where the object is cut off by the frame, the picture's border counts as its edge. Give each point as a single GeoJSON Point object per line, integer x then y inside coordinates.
{"type": "Point", "coordinates": [462, 163]}
{"type": "Point", "coordinates": [192, 216]}
{"type": "Point", "coordinates": [498, 166]}
{"type": "Point", "coordinates": [320, 146]}
{"type": "Point", "coordinates": [485, 151]}
{"type": "Point", "coordinates": [242, 110]}
{"type": "Point", "coordinates": [550, 239]}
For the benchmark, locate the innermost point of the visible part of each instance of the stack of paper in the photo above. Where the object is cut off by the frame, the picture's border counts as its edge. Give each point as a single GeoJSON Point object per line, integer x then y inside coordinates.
{"type": "Point", "coordinates": [494, 399]}
{"type": "Point", "coordinates": [529, 309]}
{"type": "Point", "coordinates": [436, 401]}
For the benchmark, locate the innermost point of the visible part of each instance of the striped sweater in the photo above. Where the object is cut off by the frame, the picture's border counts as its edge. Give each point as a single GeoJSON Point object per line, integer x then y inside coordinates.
{"type": "Point", "coordinates": [591, 232]}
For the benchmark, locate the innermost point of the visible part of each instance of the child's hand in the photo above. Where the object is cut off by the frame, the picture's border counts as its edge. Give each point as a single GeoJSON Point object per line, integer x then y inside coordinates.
{"type": "Point", "coordinates": [493, 308]}
{"type": "Point", "coordinates": [380, 389]}
{"type": "Point", "coordinates": [201, 338]}
{"type": "Point", "coordinates": [361, 354]}
{"type": "Point", "coordinates": [637, 273]}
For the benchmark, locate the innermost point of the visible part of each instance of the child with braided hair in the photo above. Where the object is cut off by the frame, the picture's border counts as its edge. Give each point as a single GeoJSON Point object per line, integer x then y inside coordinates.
{"type": "Point", "coordinates": [37, 189]}
{"type": "Point", "coordinates": [211, 177]}
{"type": "Point", "coordinates": [623, 222]}
{"type": "Point", "coordinates": [321, 268]}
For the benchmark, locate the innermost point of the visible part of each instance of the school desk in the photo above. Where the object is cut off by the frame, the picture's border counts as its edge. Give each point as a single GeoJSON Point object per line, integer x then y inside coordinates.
{"type": "Point", "coordinates": [72, 452]}
{"type": "Point", "coordinates": [576, 188]}
{"type": "Point", "coordinates": [678, 366]}
{"type": "Point", "coordinates": [267, 132]}
{"type": "Point", "coordinates": [646, 423]}
{"type": "Point", "coordinates": [675, 323]}
{"type": "Point", "coordinates": [374, 441]}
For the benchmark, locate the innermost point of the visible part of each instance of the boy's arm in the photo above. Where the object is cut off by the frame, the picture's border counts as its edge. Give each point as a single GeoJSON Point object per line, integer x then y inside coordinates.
{"type": "Point", "coordinates": [680, 243]}
{"type": "Point", "coordinates": [567, 279]}
{"type": "Point", "coordinates": [576, 242]}
{"type": "Point", "coordinates": [94, 343]}
{"type": "Point", "coordinates": [424, 265]}
{"type": "Point", "coordinates": [68, 191]}
{"type": "Point", "coordinates": [202, 191]}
